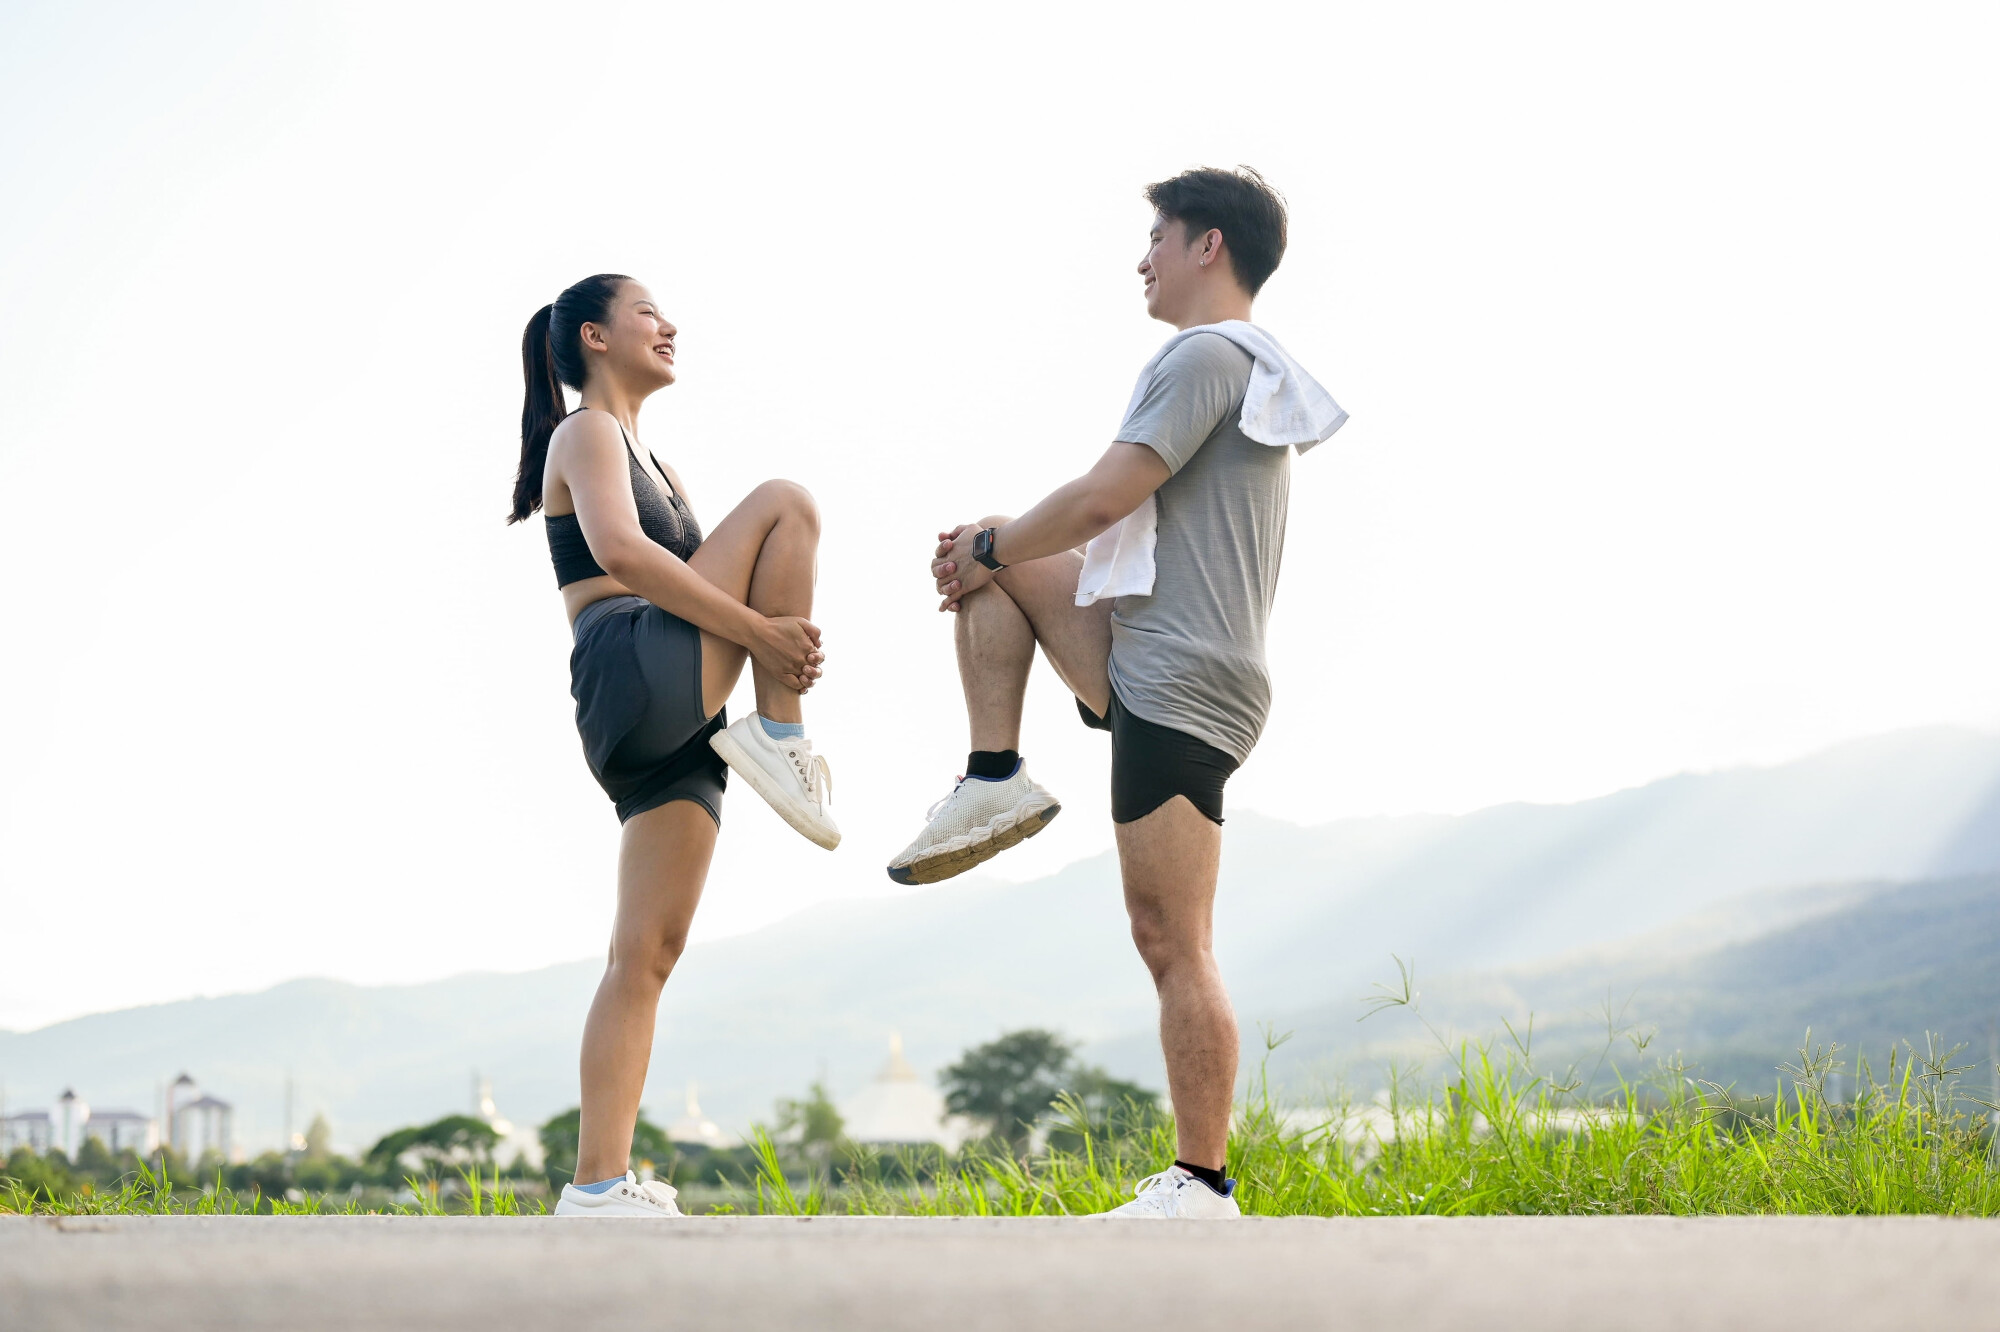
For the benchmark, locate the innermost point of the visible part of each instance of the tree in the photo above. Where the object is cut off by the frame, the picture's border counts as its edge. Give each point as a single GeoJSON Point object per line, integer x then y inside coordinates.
{"type": "Point", "coordinates": [1104, 1095]}
{"type": "Point", "coordinates": [560, 1135]}
{"type": "Point", "coordinates": [452, 1141]}
{"type": "Point", "coordinates": [93, 1158]}
{"type": "Point", "coordinates": [1101, 1105]}
{"type": "Point", "coordinates": [269, 1175]}
{"type": "Point", "coordinates": [319, 1139]}
{"type": "Point", "coordinates": [1008, 1083]}
{"type": "Point", "coordinates": [559, 1141]}
{"type": "Point", "coordinates": [819, 1124]}
{"type": "Point", "coordinates": [48, 1173]}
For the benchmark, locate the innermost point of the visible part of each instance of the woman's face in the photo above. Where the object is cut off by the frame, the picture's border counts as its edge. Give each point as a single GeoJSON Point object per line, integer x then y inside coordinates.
{"type": "Point", "coordinates": [637, 341]}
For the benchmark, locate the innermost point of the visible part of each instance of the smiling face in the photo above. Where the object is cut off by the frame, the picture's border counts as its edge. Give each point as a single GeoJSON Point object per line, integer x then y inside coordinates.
{"type": "Point", "coordinates": [1172, 269]}
{"type": "Point", "coordinates": [636, 342]}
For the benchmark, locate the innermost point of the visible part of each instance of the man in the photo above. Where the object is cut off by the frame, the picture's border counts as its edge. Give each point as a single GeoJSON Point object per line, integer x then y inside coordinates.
{"type": "Point", "coordinates": [1156, 625]}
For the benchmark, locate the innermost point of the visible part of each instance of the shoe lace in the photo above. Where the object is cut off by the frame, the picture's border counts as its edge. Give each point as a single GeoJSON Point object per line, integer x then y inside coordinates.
{"type": "Point", "coordinates": [1159, 1193]}
{"type": "Point", "coordinates": [958, 784]}
{"type": "Point", "coordinates": [660, 1192]}
{"type": "Point", "coordinates": [813, 770]}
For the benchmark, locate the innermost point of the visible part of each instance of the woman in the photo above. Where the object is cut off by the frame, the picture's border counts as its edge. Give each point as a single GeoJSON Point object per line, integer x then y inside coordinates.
{"type": "Point", "coordinates": [664, 621]}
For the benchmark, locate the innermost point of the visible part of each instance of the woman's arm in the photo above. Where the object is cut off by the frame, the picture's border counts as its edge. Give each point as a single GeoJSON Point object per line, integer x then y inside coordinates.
{"type": "Point", "coordinates": [589, 454]}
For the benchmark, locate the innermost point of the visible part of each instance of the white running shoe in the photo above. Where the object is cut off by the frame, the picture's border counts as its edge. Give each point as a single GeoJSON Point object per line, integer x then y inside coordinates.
{"type": "Point", "coordinates": [980, 818]}
{"type": "Point", "coordinates": [653, 1198]}
{"type": "Point", "coordinates": [1174, 1194]}
{"type": "Point", "coordinates": [792, 779]}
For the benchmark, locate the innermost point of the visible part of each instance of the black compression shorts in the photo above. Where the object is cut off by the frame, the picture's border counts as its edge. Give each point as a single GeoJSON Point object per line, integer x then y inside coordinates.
{"type": "Point", "coordinates": [1151, 764]}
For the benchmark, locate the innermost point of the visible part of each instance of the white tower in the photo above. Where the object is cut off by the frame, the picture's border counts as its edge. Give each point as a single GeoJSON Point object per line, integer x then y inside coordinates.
{"type": "Point", "coordinates": [72, 1113]}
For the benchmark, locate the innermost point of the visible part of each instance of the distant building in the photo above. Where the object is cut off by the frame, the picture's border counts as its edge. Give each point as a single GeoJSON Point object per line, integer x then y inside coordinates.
{"type": "Point", "coordinates": [33, 1129]}
{"type": "Point", "coordinates": [202, 1126]}
{"type": "Point", "coordinates": [72, 1112]}
{"type": "Point", "coordinates": [900, 1109]}
{"type": "Point", "coordinates": [123, 1130]}
{"type": "Point", "coordinates": [695, 1129]}
{"type": "Point", "coordinates": [183, 1089]}
{"type": "Point", "coordinates": [198, 1124]}
{"type": "Point", "coordinates": [71, 1122]}
{"type": "Point", "coordinates": [513, 1142]}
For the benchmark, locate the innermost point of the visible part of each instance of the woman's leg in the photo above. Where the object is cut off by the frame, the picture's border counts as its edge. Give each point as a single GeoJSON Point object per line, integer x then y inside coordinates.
{"type": "Point", "coordinates": [766, 555]}
{"type": "Point", "coordinates": [662, 865]}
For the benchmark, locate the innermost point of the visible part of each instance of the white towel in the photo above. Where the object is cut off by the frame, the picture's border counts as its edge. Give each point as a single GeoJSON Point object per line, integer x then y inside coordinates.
{"type": "Point", "coordinates": [1283, 407]}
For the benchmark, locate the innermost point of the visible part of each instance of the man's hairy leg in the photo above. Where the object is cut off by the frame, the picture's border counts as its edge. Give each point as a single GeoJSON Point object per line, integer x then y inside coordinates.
{"type": "Point", "coordinates": [1039, 595]}
{"type": "Point", "coordinates": [1169, 860]}
{"type": "Point", "coordinates": [996, 649]}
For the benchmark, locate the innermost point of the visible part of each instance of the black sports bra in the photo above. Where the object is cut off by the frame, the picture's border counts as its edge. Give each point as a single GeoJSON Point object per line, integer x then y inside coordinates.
{"type": "Point", "coordinates": [666, 519]}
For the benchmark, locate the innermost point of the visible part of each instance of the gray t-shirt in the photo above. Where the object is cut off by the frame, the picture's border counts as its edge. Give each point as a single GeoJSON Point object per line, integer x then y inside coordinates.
{"type": "Point", "coordinates": [1191, 655]}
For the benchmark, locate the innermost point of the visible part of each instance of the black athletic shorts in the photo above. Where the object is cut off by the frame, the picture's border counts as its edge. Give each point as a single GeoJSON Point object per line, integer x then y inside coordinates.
{"type": "Point", "coordinates": [636, 676]}
{"type": "Point", "coordinates": [1151, 764]}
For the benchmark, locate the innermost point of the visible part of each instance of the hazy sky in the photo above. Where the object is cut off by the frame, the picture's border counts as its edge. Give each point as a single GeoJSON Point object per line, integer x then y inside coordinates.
{"type": "Point", "coordinates": [1667, 334]}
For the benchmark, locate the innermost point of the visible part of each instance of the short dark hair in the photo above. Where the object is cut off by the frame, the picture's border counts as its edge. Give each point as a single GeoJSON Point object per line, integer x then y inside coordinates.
{"type": "Point", "coordinates": [1240, 204]}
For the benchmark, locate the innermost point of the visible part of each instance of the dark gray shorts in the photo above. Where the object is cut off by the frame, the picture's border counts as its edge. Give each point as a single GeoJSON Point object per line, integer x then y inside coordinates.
{"type": "Point", "coordinates": [636, 676]}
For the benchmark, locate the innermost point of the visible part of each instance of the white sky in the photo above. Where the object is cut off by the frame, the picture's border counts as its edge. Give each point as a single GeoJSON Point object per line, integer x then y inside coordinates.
{"type": "Point", "coordinates": [1667, 333]}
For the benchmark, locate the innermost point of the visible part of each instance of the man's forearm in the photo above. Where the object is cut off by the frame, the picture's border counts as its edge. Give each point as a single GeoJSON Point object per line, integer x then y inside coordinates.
{"type": "Point", "coordinates": [1070, 516]}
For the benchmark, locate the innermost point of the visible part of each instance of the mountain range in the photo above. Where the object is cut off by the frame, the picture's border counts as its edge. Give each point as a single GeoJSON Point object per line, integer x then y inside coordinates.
{"type": "Point", "coordinates": [1853, 888]}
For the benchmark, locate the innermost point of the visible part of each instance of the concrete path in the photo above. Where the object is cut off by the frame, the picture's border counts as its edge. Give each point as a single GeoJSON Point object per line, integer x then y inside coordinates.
{"type": "Point", "coordinates": [1407, 1275]}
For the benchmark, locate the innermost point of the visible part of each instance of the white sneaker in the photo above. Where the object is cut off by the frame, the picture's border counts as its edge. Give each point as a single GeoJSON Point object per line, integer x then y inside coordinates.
{"type": "Point", "coordinates": [792, 779]}
{"type": "Point", "coordinates": [1174, 1194]}
{"type": "Point", "coordinates": [980, 818]}
{"type": "Point", "coordinates": [631, 1198]}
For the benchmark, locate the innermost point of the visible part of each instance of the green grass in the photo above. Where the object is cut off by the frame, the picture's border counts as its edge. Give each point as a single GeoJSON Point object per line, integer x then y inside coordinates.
{"type": "Point", "coordinates": [1501, 1138]}
{"type": "Point", "coordinates": [1497, 1137]}
{"type": "Point", "coordinates": [148, 1191]}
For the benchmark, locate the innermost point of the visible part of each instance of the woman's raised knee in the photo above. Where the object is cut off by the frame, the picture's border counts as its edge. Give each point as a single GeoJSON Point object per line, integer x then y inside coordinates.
{"type": "Point", "coordinates": [790, 499]}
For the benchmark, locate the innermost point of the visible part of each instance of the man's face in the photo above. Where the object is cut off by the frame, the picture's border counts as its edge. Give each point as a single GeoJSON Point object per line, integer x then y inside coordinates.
{"type": "Point", "coordinates": [1170, 268]}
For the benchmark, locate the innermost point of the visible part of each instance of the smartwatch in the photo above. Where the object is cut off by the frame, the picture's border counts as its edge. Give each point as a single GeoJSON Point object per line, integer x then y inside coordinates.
{"type": "Point", "coordinates": [982, 550]}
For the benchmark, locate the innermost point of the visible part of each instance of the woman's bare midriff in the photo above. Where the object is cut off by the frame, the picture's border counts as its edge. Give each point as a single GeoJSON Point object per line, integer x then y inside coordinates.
{"type": "Point", "coordinates": [579, 594]}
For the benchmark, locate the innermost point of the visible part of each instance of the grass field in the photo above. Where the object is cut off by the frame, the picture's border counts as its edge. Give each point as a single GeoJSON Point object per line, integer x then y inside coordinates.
{"type": "Point", "coordinates": [1497, 1137]}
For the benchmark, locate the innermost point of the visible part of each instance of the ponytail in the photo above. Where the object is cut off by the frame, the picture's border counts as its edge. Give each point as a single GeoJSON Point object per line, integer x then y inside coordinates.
{"type": "Point", "coordinates": [542, 410]}
{"type": "Point", "coordinates": [552, 356]}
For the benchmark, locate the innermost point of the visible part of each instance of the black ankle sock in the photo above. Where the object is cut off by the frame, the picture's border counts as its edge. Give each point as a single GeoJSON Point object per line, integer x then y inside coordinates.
{"type": "Point", "coordinates": [1215, 1179]}
{"type": "Point", "coordinates": [992, 763]}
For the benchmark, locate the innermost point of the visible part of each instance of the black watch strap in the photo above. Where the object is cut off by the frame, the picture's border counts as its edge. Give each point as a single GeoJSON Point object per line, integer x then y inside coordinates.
{"type": "Point", "coordinates": [982, 550]}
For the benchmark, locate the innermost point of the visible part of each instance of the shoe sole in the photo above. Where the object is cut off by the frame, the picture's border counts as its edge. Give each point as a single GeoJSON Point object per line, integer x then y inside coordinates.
{"type": "Point", "coordinates": [751, 771]}
{"type": "Point", "coordinates": [1006, 831]}
{"type": "Point", "coordinates": [628, 1214]}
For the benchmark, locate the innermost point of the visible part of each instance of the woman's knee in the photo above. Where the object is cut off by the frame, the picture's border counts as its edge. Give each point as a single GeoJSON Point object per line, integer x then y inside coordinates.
{"type": "Point", "coordinates": [647, 961]}
{"type": "Point", "coordinates": [790, 500]}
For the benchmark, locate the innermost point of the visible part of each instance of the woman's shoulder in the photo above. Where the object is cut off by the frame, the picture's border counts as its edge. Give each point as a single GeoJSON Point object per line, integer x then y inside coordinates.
{"type": "Point", "coordinates": [587, 429]}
